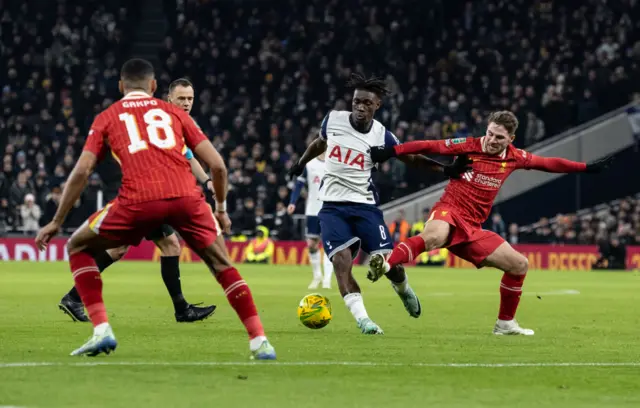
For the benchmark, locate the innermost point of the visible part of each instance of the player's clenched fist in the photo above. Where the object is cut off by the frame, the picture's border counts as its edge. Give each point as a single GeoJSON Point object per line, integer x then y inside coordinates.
{"type": "Point", "coordinates": [46, 233]}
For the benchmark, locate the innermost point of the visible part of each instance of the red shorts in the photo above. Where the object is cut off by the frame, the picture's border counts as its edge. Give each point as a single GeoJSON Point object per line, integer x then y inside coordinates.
{"type": "Point", "coordinates": [128, 224]}
{"type": "Point", "coordinates": [467, 241]}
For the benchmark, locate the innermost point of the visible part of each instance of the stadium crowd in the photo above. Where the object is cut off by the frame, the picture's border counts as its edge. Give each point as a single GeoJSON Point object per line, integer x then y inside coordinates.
{"type": "Point", "coordinates": [266, 75]}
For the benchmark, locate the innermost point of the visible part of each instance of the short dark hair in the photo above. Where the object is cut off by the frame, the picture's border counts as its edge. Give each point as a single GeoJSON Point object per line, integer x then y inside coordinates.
{"type": "Point", "coordinates": [374, 84]}
{"type": "Point", "coordinates": [184, 82]}
{"type": "Point", "coordinates": [506, 119]}
{"type": "Point", "coordinates": [136, 70]}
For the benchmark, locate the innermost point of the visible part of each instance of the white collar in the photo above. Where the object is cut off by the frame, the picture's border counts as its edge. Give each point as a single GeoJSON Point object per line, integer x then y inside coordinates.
{"type": "Point", "coordinates": [136, 95]}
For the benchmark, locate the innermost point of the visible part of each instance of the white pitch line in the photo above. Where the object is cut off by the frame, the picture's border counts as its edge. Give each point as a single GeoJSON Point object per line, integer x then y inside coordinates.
{"type": "Point", "coordinates": [314, 363]}
{"type": "Point", "coordinates": [560, 292]}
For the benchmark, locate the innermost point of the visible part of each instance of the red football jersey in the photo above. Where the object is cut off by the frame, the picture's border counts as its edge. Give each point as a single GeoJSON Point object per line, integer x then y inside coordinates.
{"type": "Point", "coordinates": [476, 190]}
{"type": "Point", "coordinates": [147, 137]}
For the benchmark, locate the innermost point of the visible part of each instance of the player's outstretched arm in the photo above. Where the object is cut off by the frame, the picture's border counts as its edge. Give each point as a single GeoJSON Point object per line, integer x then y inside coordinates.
{"type": "Point", "coordinates": [315, 149]}
{"type": "Point", "coordinates": [461, 165]}
{"type": "Point", "coordinates": [560, 165]}
{"type": "Point", "coordinates": [70, 194]}
{"type": "Point", "coordinates": [447, 147]}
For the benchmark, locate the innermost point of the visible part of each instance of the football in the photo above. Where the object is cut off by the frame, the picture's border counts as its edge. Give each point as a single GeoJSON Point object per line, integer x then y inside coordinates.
{"type": "Point", "coordinates": [314, 311]}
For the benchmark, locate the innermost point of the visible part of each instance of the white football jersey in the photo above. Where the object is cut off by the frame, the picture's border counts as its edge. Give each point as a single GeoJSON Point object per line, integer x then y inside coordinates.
{"type": "Point", "coordinates": [348, 162]}
{"type": "Point", "coordinates": [312, 176]}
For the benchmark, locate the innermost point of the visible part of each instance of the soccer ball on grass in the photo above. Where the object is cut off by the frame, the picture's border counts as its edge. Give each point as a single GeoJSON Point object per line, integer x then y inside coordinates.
{"type": "Point", "coordinates": [314, 311]}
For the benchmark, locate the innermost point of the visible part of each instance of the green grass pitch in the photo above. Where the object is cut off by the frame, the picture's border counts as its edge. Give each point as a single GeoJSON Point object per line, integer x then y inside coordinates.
{"type": "Point", "coordinates": [586, 351]}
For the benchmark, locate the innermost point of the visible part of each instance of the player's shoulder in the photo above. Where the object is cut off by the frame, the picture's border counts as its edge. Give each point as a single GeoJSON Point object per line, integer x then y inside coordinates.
{"type": "Point", "coordinates": [168, 107]}
{"type": "Point", "coordinates": [338, 115]}
{"type": "Point", "coordinates": [517, 154]}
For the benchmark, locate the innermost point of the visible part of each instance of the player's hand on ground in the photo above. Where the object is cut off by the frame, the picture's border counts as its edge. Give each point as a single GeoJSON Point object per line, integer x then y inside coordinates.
{"type": "Point", "coordinates": [381, 154]}
{"type": "Point", "coordinates": [460, 165]}
{"type": "Point", "coordinates": [46, 233]}
{"type": "Point", "coordinates": [295, 170]}
{"type": "Point", "coordinates": [224, 221]}
{"type": "Point", "coordinates": [597, 166]}
{"type": "Point", "coordinates": [291, 208]}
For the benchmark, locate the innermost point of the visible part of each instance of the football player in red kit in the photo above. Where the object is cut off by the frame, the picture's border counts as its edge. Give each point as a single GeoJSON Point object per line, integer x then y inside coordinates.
{"type": "Point", "coordinates": [455, 221]}
{"type": "Point", "coordinates": [149, 137]}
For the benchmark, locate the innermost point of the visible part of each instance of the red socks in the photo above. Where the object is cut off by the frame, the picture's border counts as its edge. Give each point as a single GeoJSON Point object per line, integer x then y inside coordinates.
{"type": "Point", "coordinates": [89, 286]}
{"type": "Point", "coordinates": [406, 251]}
{"type": "Point", "coordinates": [510, 291]}
{"type": "Point", "coordinates": [239, 297]}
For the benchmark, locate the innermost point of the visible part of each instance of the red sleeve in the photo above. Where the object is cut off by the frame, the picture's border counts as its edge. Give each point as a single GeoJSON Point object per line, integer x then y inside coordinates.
{"type": "Point", "coordinates": [551, 164]}
{"type": "Point", "coordinates": [96, 141]}
{"type": "Point", "coordinates": [193, 135]}
{"type": "Point", "coordinates": [447, 147]}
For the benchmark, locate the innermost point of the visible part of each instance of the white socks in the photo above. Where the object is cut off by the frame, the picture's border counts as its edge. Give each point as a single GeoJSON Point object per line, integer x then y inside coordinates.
{"type": "Point", "coordinates": [100, 329]}
{"type": "Point", "coordinates": [355, 304]}
{"type": "Point", "coordinates": [328, 271]}
{"type": "Point", "coordinates": [256, 342]}
{"type": "Point", "coordinates": [401, 287]}
{"type": "Point", "coordinates": [314, 260]}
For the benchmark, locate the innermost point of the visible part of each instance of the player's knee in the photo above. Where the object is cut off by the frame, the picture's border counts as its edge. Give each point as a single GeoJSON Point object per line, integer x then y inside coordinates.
{"type": "Point", "coordinates": [432, 240]}
{"type": "Point", "coordinates": [520, 265]}
{"type": "Point", "coordinates": [169, 246]}
{"type": "Point", "coordinates": [435, 234]}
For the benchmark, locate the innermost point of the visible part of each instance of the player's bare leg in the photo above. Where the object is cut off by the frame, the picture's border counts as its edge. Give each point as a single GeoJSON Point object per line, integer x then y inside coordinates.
{"type": "Point", "coordinates": [515, 267]}
{"type": "Point", "coordinates": [435, 235]}
{"type": "Point", "coordinates": [88, 282]}
{"type": "Point", "coordinates": [315, 261]}
{"type": "Point", "coordinates": [170, 269]}
{"type": "Point", "coordinates": [350, 292]}
{"type": "Point", "coordinates": [71, 304]}
{"type": "Point", "coordinates": [216, 257]}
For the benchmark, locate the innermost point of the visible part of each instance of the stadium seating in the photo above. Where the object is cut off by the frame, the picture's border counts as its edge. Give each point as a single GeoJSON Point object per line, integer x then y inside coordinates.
{"type": "Point", "coordinates": [266, 75]}
{"type": "Point", "coordinates": [59, 67]}
{"type": "Point", "coordinates": [620, 218]}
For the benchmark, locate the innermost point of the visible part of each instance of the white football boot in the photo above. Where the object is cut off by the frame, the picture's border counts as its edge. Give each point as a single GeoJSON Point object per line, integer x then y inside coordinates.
{"type": "Point", "coordinates": [510, 328]}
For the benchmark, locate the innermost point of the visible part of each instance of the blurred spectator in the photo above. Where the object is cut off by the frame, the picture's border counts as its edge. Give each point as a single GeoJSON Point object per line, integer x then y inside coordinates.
{"type": "Point", "coordinates": [399, 228]}
{"type": "Point", "coordinates": [260, 249]}
{"type": "Point", "coordinates": [265, 81]}
{"type": "Point", "coordinates": [52, 201]}
{"type": "Point", "coordinates": [418, 226]}
{"type": "Point", "coordinates": [283, 224]}
{"type": "Point", "coordinates": [613, 254]}
{"type": "Point", "coordinates": [7, 218]}
{"type": "Point", "coordinates": [30, 214]}
{"type": "Point", "coordinates": [513, 236]}
{"type": "Point", "coordinates": [498, 226]}
{"type": "Point", "coordinates": [20, 188]}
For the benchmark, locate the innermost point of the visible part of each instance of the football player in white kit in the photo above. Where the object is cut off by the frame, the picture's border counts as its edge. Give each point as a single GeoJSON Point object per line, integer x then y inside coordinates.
{"type": "Point", "coordinates": [350, 219]}
{"type": "Point", "coordinates": [312, 176]}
